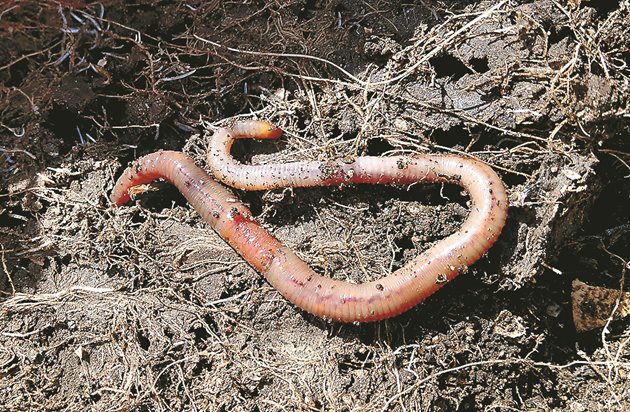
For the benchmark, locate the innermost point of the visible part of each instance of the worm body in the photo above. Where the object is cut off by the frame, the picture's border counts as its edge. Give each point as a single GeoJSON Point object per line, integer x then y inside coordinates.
{"type": "Point", "coordinates": [292, 277]}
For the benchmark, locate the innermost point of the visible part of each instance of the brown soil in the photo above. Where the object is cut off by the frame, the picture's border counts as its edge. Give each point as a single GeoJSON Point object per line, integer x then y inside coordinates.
{"type": "Point", "coordinates": [146, 308]}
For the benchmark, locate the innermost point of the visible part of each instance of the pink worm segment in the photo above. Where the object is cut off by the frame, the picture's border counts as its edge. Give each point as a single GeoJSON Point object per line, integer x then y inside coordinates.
{"type": "Point", "coordinates": [292, 277]}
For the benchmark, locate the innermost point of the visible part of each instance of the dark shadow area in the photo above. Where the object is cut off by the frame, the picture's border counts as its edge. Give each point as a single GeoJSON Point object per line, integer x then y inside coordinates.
{"type": "Point", "coordinates": [449, 66]}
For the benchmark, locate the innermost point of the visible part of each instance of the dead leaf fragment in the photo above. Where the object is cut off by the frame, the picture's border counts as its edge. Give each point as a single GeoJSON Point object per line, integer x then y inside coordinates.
{"type": "Point", "coordinates": [593, 305]}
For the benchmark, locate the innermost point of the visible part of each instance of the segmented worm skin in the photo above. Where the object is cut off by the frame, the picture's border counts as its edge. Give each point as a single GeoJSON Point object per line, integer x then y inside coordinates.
{"type": "Point", "coordinates": [292, 277]}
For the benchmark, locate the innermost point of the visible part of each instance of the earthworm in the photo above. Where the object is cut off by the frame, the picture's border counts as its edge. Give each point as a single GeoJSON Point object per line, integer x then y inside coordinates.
{"type": "Point", "coordinates": [293, 278]}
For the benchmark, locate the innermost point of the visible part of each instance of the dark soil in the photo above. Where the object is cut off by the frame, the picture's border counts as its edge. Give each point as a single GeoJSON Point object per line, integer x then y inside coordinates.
{"type": "Point", "coordinates": [146, 308]}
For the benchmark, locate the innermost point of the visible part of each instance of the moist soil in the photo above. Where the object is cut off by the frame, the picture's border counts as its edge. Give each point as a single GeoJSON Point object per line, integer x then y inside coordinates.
{"type": "Point", "coordinates": [144, 307]}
